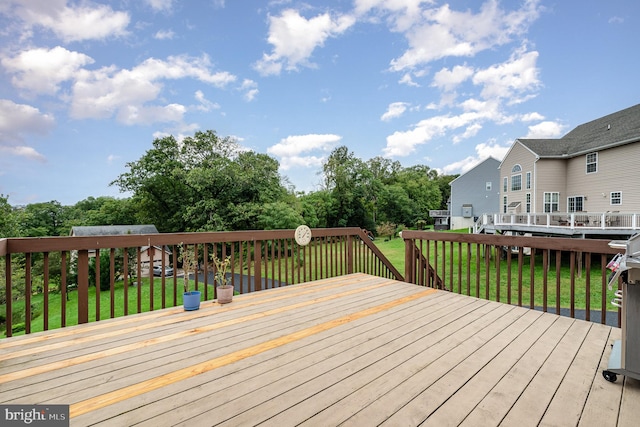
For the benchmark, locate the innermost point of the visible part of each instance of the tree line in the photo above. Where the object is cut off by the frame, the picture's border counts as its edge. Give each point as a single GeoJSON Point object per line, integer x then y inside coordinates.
{"type": "Point", "coordinates": [209, 183]}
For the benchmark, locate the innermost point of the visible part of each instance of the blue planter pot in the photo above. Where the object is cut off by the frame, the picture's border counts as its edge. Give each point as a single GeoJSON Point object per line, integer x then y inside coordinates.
{"type": "Point", "coordinates": [191, 300]}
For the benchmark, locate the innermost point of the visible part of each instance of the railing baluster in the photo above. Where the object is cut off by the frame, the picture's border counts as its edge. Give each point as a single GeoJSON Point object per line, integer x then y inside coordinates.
{"type": "Point", "coordinates": [28, 292]}
{"type": "Point", "coordinates": [45, 290]}
{"type": "Point", "coordinates": [545, 278]}
{"type": "Point", "coordinates": [532, 278]}
{"type": "Point", "coordinates": [520, 264]}
{"type": "Point", "coordinates": [558, 270]}
{"type": "Point", "coordinates": [112, 282]}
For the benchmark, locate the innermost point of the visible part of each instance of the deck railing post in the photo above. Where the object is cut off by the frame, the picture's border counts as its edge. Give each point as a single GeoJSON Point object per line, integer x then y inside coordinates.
{"type": "Point", "coordinates": [83, 286]}
{"type": "Point", "coordinates": [409, 261]}
{"type": "Point", "coordinates": [9, 297]}
{"type": "Point", "coordinates": [257, 265]}
{"type": "Point", "coordinates": [349, 254]}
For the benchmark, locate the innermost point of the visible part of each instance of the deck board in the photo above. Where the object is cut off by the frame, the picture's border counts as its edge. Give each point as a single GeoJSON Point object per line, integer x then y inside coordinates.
{"type": "Point", "coordinates": [352, 350]}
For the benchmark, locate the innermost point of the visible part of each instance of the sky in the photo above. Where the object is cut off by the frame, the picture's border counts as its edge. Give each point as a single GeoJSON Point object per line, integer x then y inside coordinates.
{"type": "Point", "coordinates": [86, 86]}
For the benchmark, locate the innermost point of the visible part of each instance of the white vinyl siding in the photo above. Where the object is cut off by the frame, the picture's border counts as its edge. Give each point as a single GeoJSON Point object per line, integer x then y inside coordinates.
{"type": "Point", "coordinates": [614, 168]}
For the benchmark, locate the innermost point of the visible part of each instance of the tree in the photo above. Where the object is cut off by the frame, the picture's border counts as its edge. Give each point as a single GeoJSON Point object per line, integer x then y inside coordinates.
{"type": "Point", "coordinates": [42, 219]}
{"type": "Point", "coordinates": [316, 207]}
{"type": "Point", "coordinates": [103, 211]}
{"type": "Point", "coordinates": [203, 183]}
{"type": "Point", "coordinates": [279, 215]}
{"type": "Point", "coordinates": [396, 206]}
{"type": "Point", "coordinates": [8, 221]}
{"type": "Point", "coordinates": [443, 182]}
{"type": "Point", "coordinates": [417, 181]}
{"type": "Point", "coordinates": [344, 175]}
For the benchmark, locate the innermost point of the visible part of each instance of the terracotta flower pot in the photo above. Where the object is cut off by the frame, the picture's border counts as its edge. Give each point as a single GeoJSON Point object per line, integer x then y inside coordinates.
{"type": "Point", "coordinates": [225, 294]}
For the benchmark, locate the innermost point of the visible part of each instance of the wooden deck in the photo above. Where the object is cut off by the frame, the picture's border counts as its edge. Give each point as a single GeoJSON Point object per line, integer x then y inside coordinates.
{"type": "Point", "coordinates": [355, 350]}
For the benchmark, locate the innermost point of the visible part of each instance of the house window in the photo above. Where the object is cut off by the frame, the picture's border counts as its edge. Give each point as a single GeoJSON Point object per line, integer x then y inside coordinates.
{"type": "Point", "coordinates": [505, 183]}
{"type": "Point", "coordinates": [528, 181]}
{"type": "Point", "coordinates": [575, 204]}
{"type": "Point", "coordinates": [551, 202]}
{"type": "Point", "coordinates": [516, 182]}
{"type": "Point", "coordinates": [528, 204]}
{"type": "Point", "coordinates": [516, 169]}
{"type": "Point", "coordinates": [504, 204]}
{"type": "Point", "coordinates": [616, 198]}
{"type": "Point", "coordinates": [488, 186]}
{"type": "Point", "coordinates": [592, 162]}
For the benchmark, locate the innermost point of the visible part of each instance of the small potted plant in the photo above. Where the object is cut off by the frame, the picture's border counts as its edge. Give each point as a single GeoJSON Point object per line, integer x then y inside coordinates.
{"type": "Point", "coordinates": [224, 289]}
{"type": "Point", "coordinates": [190, 299]}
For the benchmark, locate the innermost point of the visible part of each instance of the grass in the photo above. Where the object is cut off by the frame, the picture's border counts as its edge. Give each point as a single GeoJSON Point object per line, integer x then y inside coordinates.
{"type": "Point", "coordinates": [474, 280]}
{"type": "Point", "coordinates": [71, 309]}
{"type": "Point", "coordinates": [478, 285]}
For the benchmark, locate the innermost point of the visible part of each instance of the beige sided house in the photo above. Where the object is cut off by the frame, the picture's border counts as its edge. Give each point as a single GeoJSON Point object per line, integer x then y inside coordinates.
{"type": "Point", "coordinates": [588, 178]}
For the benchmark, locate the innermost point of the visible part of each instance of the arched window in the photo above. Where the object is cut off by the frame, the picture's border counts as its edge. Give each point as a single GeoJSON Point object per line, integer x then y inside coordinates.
{"type": "Point", "coordinates": [516, 169]}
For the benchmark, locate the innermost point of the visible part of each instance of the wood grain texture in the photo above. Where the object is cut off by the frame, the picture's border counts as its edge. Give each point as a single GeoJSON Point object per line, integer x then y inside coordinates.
{"type": "Point", "coordinates": [351, 350]}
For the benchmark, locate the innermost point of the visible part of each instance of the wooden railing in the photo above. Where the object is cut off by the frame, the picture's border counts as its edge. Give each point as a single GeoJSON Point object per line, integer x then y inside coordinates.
{"type": "Point", "coordinates": [37, 271]}
{"type": "Point", "coordinates": [562, 275]}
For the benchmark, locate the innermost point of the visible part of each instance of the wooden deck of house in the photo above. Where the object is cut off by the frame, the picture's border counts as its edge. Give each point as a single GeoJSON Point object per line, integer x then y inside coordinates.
{"type": "Point", "coordinates": [355, 350]}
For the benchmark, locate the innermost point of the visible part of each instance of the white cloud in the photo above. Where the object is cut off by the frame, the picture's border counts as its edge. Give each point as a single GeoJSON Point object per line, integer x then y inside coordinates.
{"type": "Point", "coordinates": [134, 114]}
{"type": "Point", "coordinates": [510, 82]}
{"type": "Point", "coordinates": [448, 80]}
{"type": "Point", "coordinates": [290, 149]}
{"type": "Point", "coordinates": [546, 129]}
{"type": "Point", "coordinates": [160, 5]}
{"type": "Point", "coordinates": [250, 89]}
{"type": "Point", "coordinates": [108, 91]}
{"type": "Point", "coordinates": [23, 151]}
{"type": "Point", "coordinates": [71, 22]}
{"type": "Point", "coordinates": [18, 120]}
{"type": "Point", "coordinates": [294, 38]}
{"type": "Point", "coordinates": [401, 144]}
{"type": "Point", "coordinates": [164, 35]}
{"type": "Point", "coordinates": [205, 104]}
{"type": "Point", "coordinates": [531, 117]}
{"type": "Point", "coordinates": [512, 79]}
{"type": "Point", "coordinates": [483, 151]}
{"type": "Point", "coordinates": [471, 131]}
{"type": "Point", "coordinates": [42, 70]}
{"type": "Point", "coordinates": [441, 32]}
{"type": "Point", "coordinates": [407, 79]}
{"type": "Point", "coordinates": [395, 109]}
{"type": "Point", "coordinates": [112, 158]}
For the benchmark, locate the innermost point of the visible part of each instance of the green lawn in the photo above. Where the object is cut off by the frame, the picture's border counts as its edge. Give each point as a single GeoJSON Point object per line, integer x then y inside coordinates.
{"type": "Point", "coordinates": [71, 309]}
{"type": "Point", "coordinates": [393, 249]}
{"type": "Point", "coordinates": [474, 280]}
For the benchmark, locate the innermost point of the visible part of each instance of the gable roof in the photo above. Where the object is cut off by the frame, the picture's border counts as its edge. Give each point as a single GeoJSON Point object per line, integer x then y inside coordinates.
{"type": "Point", "coordinates": [113, 230]}
{"type": "Point", "coordinates": [488, 159]}
{"type": "Point", "coordinates": [622, 127]}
